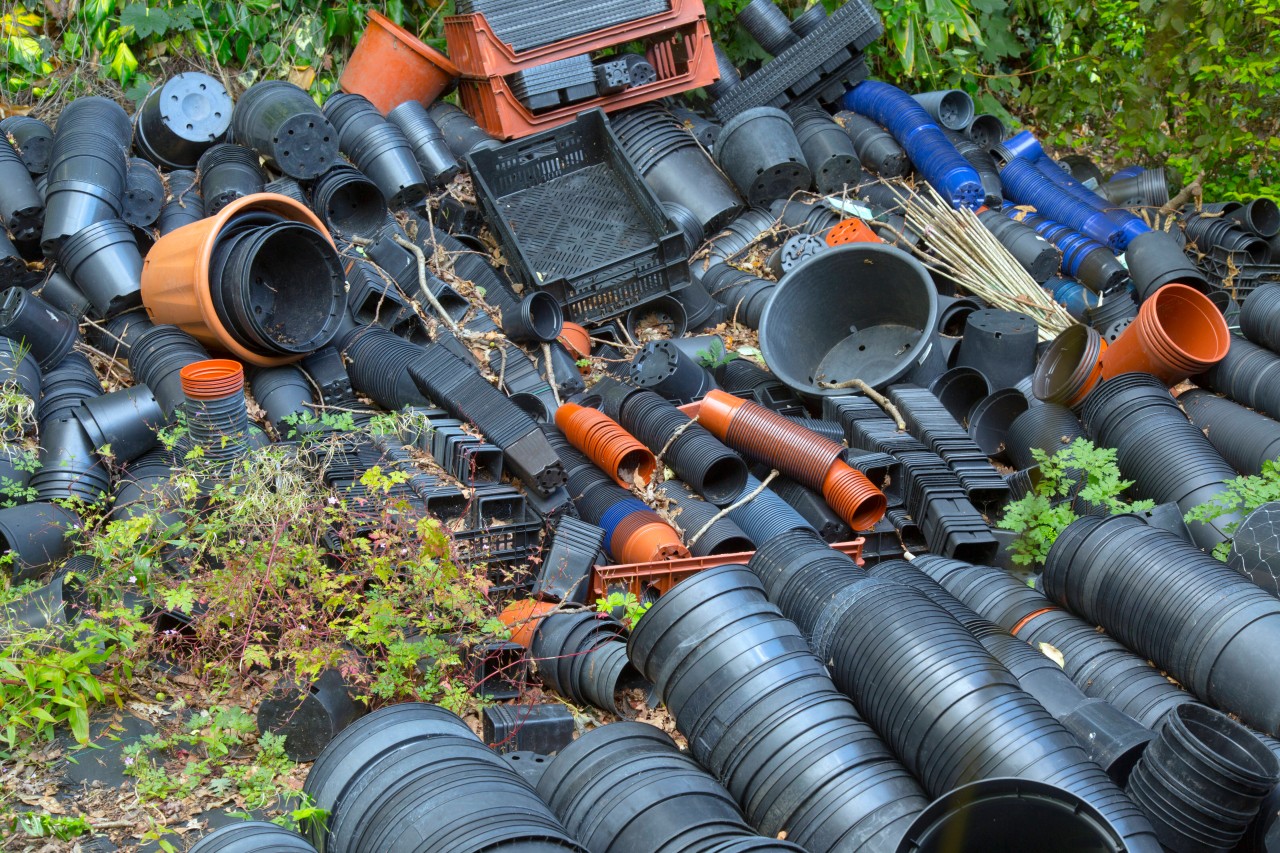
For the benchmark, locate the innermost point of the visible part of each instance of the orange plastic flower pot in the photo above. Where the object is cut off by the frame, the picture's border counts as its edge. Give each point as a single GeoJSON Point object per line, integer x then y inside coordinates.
{"type": "Point", "coordinates": [853, 497]}
{"type": "Point", "coordinates": [212, 379]}
{"type": "Point", "coordinates": [607, 444]}
{"type": "Point", "coordinates": [391, 65]}
{"type": "Point", "coordinates": [1178, 332]}
{"type": "Point", "coordinates": [577, 340]}
{"type": "Point", "coordinates": [175, 275]}
{"type": "Point", "coordinates": [851, 231]}
{"type": "Point", "coordinates": [716, 412]}
{"type": "Point", "coordinates": [523, 617]}
{"type": "Point", "coordinates": [1071, 367]}
{"type": "Point", "coordinates": [640, 539]}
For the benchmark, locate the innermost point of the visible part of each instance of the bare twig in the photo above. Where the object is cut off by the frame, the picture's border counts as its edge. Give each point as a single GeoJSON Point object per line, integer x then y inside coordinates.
{"type": "Point", "coordinates": [551, 372]}
{"type": "Point", "coordinates": [722, 513]}
{"type": "Point", "coordinates": [675, 435]}
{"type": "Point", "coordinates": [881, 400]}
{"type": "Point", "coordinates": [1192, 190]}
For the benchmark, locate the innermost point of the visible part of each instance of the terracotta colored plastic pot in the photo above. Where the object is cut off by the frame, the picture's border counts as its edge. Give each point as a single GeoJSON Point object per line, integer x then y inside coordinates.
{"type": "Point", "coordinates": [798, 452]}
{"type": "Point", "coordinates": [853, 497]}
{"type": "Point", "coordinates": [607, 444]}
{"type": "Point", "coordinates": [851, 231]}
{"type": "Point", "coordinates": [576, 339]}
{"type": "Point", "coordinates": [638, 538]}
{"type": "Point", "coordinates": [523, 618]}
{"type": "Point", "coordinates": [1071, 367]}
{"type": "Point", "coordinates": [390, 66]}
{"type": "Point", "coordinates": [175, 276]}
{"type": "Point", "coordinates": [212, 379]}
{"type": "Point", "coordinates": [1178, 333]}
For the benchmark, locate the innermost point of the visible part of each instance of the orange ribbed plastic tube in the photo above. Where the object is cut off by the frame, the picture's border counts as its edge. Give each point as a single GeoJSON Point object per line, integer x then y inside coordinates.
{"type": "Point", "coordinates": [607, 444]}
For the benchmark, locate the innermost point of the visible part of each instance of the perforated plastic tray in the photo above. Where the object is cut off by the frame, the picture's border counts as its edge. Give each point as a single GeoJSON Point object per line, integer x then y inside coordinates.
{"type": "Point", "coordinates": [574, 218]}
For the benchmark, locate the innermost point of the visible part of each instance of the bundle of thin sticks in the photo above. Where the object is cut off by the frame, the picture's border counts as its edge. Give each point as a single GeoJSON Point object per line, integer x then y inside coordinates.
{"type": "Point", "coordinates": [956, 244]}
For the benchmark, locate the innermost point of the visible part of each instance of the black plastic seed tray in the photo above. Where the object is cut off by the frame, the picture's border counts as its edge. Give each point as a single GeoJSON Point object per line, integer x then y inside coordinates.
{"type": "Point", "coordinates": [526, 24]}
{"type": "Point", "coordinates": [500, 528]}
{"type": "Point", "coordinates": [575, 219]}
{"type": "Point", "coordinates": [564, 81]}
{"type": "Point", "coordinates": [822, 65]}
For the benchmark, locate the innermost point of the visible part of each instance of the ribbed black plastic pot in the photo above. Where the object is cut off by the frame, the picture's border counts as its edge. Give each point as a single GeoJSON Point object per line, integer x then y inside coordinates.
{"type": "Point", "coordinates": [700, 460]}
{"type": "Point", "coordinates": [377, 361]}
{"type": "Point", "coordinates": [32, 138]}
{"type": "Point", "coordinates": [1115, 571]}
{"type": "Point", "coordinates": [439, 165]}
{"type": "Point", "coordinates": [125, 421]}
{"type": "Point", "coordinates": [180, 119]}
{"type": "Point", "coordinates": [1203, 779]}
{"type": "Point", "coordinates": [283, 393]}
{"type": "Point", "coordinates": [384, 154]}
{"type": "Point", "coordinates": [986, 130]}
{"type": "Point", "coordinates": [100, 115]}
{"type": "Point", "coordinates": [1035, 254]}
{"type": "Point", "coordinates": [951, 108]}
{"type": "Point", "coordinates": [65, 387]}
{"type": "Point", "coordinates": [85, 183]}
{"type": "Point", "coordinates": [1245, 439]}
{"type": "Point", "coordinates": [828, 150]}
{"type": "Point", "coordinates": [743, 295]}
{"type": "Point", "coordinates": [183, 204]}
{"type": "Point", "coordinates": [766, 515]}
{"type": "Point", "coordinates": [1049, 428]}
{"type": "Point", "coordinates": [876, 148]}
{"type": "Point", "coordinates": [1148, 188]}
{"type": "Point", "coordinates": [228, 172]}
{"type": "Point", "coordinates": [104, 262]}
{"type": "Point", "coordinates": [823, 297]}
{"type": "Point", "coordinates": [999, 344]}
{"type": "Point", "coordinates": [664, 369]}
{"type": "Point", "coordinates": [1247, 375]}
{"type": "Point", "coordinates": [1260, 216]}
{"type": "Point", "coordinates": [21, 207]}
{"type": "Point", "coordinates": [280, 288]}
{"type": "Point", "coordinates": [959, 390]}
{"type": "Point", "coordinates": [991, 419]}
{"type": "Point", "coordinates": [157, 355]}
{"type": "Point", "coordinates": [674, 166]}
{"type": "Point", "coordinates": [760, 153]}
{"type": "Point", "coordinates": [1260, 316]}
{"type": "Point", "coordinates": [348, 203]}
{"type": "Point", "coordinates": [248, 836]}
{"type": "Point", "coordinates": [461, 133]}
{"type": "Point", "coordinates": [768, 25]}
{"type": "Point", "coordinates": [143, 193]}
{"type": "Point", "coordinates": [723, 536]}
{"type": "Point", "coordinates": [281, 122]}
{"type": "Point", "coordinates": [35, 535]}
{"type": "Point", "coordinates": [48, 333]}
{"type": "Point", "coordinates": [18, 366]}
{"type": "Point", "coordinates": [1156, 259]}
{"type": "Point", "coordinates": [70, 466]}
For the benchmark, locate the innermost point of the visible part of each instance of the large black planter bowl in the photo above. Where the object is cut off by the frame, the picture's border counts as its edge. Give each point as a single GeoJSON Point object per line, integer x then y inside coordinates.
{"type": "Point", "coordinates": [760, 153]}
{"type": "Point", "coordinates": [309, 719]}
{"type": "Point", "coordinates": [36, 535]}
{"type": "Point", "coordinates": [33, 140]}
{"type": "Point", "coordinates": [1012, 814]}
{"type": "Point", "coordinates": [104, 262]}
{"type": "Point", "coordinates": [126, 421]}
{"type": "Point", "coordinates": [281, 122]}
{"type": "Point", "coordinates": [48, 333]}
{"type": "Point", "coordinates": [179, 120]}
{"type": "Point", "coordinates": [829, 320]}
{"type": "Point", "coordinates": [252, 837]}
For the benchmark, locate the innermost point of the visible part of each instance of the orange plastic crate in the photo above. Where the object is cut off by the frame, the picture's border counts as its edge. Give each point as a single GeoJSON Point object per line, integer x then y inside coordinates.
{"type": "Point", "coordinates": [683, 57]}
{"type": "Point", "coordinates": [639, 578]}
{"type": "Point", "coordinates": [479, 53]}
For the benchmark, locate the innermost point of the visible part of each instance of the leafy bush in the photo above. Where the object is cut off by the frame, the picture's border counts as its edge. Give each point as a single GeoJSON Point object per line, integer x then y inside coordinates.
{"type": "Point", "coordinates": [1243, 495]}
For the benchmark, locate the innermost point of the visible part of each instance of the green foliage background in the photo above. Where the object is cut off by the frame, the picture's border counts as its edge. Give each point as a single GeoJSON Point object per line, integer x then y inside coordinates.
{"type": "Point", "coordinates": [1193, 84]}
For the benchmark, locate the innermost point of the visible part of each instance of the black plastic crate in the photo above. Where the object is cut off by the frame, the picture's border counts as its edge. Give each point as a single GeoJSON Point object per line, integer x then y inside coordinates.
{"type": "Point", "coordinates": [575, 219]}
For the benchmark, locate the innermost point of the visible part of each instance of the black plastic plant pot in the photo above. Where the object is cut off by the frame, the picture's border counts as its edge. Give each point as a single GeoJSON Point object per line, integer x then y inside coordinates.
{"type": "Point", "coordinates": [439, 165]}
{"type": "Point", "coordinates": [1260, 216]}
{"type": "Point", "coordinates": [99, 115]}
{"type": "Point", "coordinates": [348, 203]}
{"type": "Point", "coordinates": [663, 368]}
{"type": "Point", "coordinates": [828, 150]}
{"type": "Point", "coordinates": [768, 25]}
{"type": "Point", "coordinates": [36, 535]}
{"type": "Point", "coordinates": [876, 148]}
{"type": "Point", "coordinates": [959, 390]}
{"type": "Point", "coordinates": [283, 392]}
{"type": "Point", "coordinates": [1012, 814]}
{"type": "Point", "coordinates": [247, 836]}
{"type": "Point", "coordinates": [711, 469]}
{"type": "Point", "coordinates": [675, 167]}
{"type": "Point", "coordinates": [70, 466]}
{"type": "Point", "coordinates": [32, 138]}
{"type": "Point", "coordinates": [104, 262]}
{"type": "Point", "coordinates": [1049, 428]}
{"type": "Point", "coordinates": [157, 355]}
{"type": "Point", "coordinates": [13, 267]}
{"type": "Point", "coordinates": [1000, 344]}
{"type": "Point", "coordinates": [384, 154]}
{"type": "Point", "coordinates": [144, 194]}
{"type": "Point", "coordinates": [1245, 439]}
{"type": "Point", "coordinates": [951, 108]}
{"type": "Point", "coordinates": [21, 207]}
{"type": "Point", "coordinates": [1036, 255]}
{"type": "Point", "coordinates": [664, 315]}
{"type": "Point", "coordinates": [461, 133]}
{"type": "Point", "coordinates": [228, 172]}
{"type": "Point", "coordinates": [760, 153]}
{"type": "Point", "coordinates": [309, 718]}
{"type": "Point", "coordinates": [281, 122]}
{"type": "Point", "coordinates": [115, 337]}
{"type": "Point", "coordinates": [47, 332]}
{"type": "Point", "coordinates": [851, 331]}
{"type": "Point", "coordinates": [1156, 259]}
{"type": "Point", "coordinates": [282, 289]}
{"type": "Point", "coordinates": [287, 186]}
{"type": "Point", "coordinates": [535, 318]}
{"type": "Point", "coordinates": [125, 422]}
{"type": "Point", "coordinates": [73, 381]}
{"type": "Point", "coordinates": [990, 420]}
{"type": "Point", "coordinates": [183, 204]}
{"type": "Point", "coordinates": [986, 130]}
{"type": "Point", "coordinates": [182, 118]}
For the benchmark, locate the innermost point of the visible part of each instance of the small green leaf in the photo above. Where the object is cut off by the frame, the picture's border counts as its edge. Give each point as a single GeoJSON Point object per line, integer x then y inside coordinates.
{"type": "Point", "coordinates": [145, 20]}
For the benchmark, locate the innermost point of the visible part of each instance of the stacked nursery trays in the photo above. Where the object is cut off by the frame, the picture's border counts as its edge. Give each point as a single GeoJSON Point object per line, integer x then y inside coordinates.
{"type": "Point", "coordinates": [499, 44]}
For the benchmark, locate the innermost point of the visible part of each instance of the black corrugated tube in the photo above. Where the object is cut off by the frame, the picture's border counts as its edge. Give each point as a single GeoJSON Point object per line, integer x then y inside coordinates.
{"type": "Point", "coordinates": [1245, 439]}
